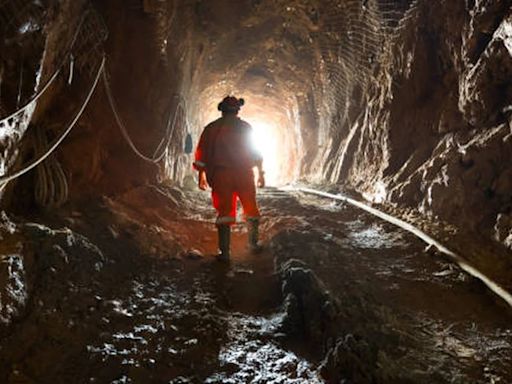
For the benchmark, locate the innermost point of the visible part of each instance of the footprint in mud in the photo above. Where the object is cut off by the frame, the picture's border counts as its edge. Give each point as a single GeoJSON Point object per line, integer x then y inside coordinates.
{"type": "Point", "coordinates": [251, 355]}
{"type": "Point", "coordinates": [169, 330]}
{"type": "Point", "coordinates": [159, 331]}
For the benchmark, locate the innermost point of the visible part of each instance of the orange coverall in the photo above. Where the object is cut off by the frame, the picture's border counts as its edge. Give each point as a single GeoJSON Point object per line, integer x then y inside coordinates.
{"type": "Point", "coordinates": [225, 152]}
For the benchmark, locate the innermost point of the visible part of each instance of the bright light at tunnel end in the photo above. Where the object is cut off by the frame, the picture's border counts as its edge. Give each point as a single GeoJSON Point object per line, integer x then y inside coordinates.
{"type": "Point", "coordinates": [265, 141]}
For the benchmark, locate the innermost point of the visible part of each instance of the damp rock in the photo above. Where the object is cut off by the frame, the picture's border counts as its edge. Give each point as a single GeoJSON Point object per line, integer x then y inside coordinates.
{"type": "Point", "coordinates": [194, 254]}
{"type": "Point", "coordinates": [13, 287]}
{"type": "Point", "coordinates": [349, 360]}
{"type": "Point", "coordinates": [503, 229]}
{"type": "Point", "coordinates": [6, 225]}
{"type": "Point", "coordinates": [310, 310]}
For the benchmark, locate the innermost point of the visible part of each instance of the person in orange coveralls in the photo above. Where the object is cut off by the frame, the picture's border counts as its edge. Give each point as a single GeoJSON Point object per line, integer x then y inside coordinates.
{"type": "Point", "coordinates": [225, 159]}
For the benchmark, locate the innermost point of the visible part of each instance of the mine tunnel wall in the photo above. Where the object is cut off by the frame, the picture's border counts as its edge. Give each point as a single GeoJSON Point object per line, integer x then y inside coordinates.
{"type": "Point", "coordinates": [432, 131]}
{"type": "Point", "coordinates": [406, 102]}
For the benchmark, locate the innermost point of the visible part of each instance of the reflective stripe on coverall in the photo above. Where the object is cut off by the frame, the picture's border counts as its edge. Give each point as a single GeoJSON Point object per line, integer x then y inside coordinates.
{"type": "Point", "coordinates": [225, 152]}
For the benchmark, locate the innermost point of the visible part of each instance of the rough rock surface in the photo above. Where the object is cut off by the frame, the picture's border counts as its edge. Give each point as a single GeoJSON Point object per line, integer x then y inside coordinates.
{"type": "Point", "coordinates": [34, 258]}
{"type": "Point", "coordinates": [353, 298]}
{"type": "Point", "coordinates": [405, 101]}
{"type": "Point", "coordinates": [435, 133]}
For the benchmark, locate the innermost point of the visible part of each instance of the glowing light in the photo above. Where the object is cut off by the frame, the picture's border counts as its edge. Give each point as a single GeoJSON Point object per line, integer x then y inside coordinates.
{"type": "Point", "coordinates": [265, 141]}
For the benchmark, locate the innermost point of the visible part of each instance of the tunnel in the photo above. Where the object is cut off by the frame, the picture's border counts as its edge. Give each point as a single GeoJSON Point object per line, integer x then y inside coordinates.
{"type": "Point", "coordinates": [385, 237]}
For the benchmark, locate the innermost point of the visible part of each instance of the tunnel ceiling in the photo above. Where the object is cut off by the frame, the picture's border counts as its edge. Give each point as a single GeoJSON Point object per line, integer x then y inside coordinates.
{"type": "Point", "coordinates": [260, 45]}
{"type": "Point", "coordinates": [406, 102]}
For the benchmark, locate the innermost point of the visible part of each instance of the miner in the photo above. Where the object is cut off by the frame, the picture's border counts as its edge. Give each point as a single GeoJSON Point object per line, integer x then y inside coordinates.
{"type": "Point", "coordinates": [225, 159]}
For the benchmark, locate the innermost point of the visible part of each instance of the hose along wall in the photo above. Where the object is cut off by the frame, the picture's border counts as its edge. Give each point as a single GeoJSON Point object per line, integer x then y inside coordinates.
{"type": "Point", "coordinates": [463, 264]}
{"type": "Point", "coordinates": [55, 195]}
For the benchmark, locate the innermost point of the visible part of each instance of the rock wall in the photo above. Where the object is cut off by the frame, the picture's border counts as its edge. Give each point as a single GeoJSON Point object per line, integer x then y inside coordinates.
{"type": "Point", "coordinates": [405, 101]}
{"type": "Point", "coordinates": [145, 72]}
{"type": "Point", "coordinates": [146, 77]}
{"type": "Point", "coordinates": [35, 39]}
{"type": "Point", "coordinates": [433, 130]}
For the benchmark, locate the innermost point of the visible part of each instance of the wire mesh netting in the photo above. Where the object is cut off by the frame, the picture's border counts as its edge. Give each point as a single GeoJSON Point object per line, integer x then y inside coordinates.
{"type": "Point", "coordinates": [88, 51]}
{"type": "Point", "coordinates": [83, 53]}
{"type": "Point", "coordinates": [75, 62]}
{"type": "Point", "coordinates": [354, 39]}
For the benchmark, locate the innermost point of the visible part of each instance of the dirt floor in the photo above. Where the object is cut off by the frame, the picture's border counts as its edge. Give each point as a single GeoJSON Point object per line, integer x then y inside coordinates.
{"type": "Point", "coordinates": [127, 290]}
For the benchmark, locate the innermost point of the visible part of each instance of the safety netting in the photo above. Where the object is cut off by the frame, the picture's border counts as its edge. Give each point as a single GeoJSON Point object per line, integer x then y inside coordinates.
{"type": "Point", "coordinates": [355, 37]}
{"type": "Point", "coordinates": [75, 74]}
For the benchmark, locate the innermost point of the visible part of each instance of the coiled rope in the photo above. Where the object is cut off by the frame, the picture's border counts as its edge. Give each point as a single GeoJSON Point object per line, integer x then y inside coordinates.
{"type": "Point", "coordinates": [161, 149]}
{"type": "Point", "coordinates": [57, 198]}
{"type": "Point", "coordinates": [51, 186]}
{"type": "Point", "coordinates": [56, 142]}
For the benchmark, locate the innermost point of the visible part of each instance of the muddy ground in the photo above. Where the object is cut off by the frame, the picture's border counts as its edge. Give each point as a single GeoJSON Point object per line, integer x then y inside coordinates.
{"type": "Point", "coordinates": [127, 290]}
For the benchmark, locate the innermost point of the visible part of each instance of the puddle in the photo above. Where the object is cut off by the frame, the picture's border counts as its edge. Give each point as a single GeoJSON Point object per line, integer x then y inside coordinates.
{"type": "Point", "coordinates": [373, 236]}
{"type": "Point", "coordinates": [252, 356]}
{"type": "Point", "coordinates": [175, 332]}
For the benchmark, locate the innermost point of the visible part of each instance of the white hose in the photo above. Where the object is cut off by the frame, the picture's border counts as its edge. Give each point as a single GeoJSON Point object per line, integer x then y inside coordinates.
{"type": "Point", "coordinates": [33, 99]}
{"type": "Point", "coordinates": [7, 178]}
{"type": "Point", "coordinates": [493, 286]}
{"type": "Point", "coordinates": [50, 81]}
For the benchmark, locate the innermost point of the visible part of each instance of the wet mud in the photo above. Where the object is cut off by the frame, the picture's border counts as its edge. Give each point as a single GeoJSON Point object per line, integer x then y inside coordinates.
{"type": "Point", "coordinates": [403, 313]}
{"type": "Point", "coordinates": [127, 290]}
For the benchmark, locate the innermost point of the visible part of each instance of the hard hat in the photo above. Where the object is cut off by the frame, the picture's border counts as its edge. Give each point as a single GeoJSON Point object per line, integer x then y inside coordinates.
{"type": "Point", "coordinates": [230, 104]}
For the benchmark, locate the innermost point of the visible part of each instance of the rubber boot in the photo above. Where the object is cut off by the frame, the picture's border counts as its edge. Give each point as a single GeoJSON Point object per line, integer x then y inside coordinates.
{"type": "Point", "coordinates": [224, 232]}
{"type": "Point", "coordinates": [253, 243]}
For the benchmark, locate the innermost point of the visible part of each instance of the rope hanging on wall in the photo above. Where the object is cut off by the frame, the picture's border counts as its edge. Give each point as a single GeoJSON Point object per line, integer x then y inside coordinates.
{"type": "Point", "coordinates": [161, 149]}
{"type": "Point", "coordinates": [8, 120]}
{"type": "Point", "coordinates": [51, 186]}
{"type": "Point", "coordinates": [355, 39]}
